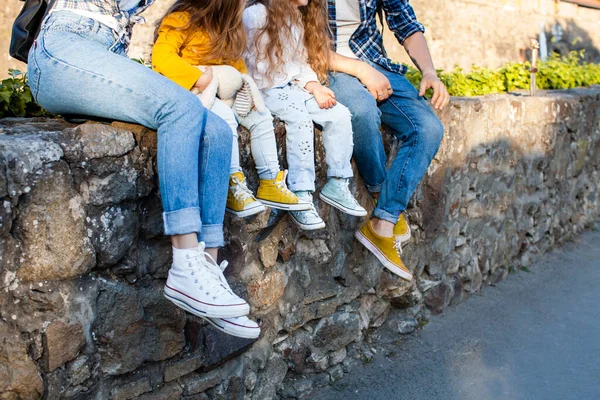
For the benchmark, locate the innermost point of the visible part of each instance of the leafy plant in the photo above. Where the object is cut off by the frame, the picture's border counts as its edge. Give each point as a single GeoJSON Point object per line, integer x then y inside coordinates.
{"type": "Point", "coordinates": [555, 73]}
{"type": "Point", "coordinates": [16, 99]}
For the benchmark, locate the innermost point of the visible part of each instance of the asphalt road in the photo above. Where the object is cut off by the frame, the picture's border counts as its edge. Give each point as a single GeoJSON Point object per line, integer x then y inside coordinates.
{"type": "Point", "coordinates": [534, 336]}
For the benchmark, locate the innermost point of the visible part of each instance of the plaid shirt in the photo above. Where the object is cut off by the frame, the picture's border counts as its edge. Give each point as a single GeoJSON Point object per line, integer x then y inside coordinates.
{"type": "Point", "coordinates": [366, 42]}
{"type": "Point", "coordinates": [125, 19]}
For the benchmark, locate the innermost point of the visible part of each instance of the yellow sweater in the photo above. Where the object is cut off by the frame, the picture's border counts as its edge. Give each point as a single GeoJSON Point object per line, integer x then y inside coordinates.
{"type": "Point", "coordinates": [176, 53]}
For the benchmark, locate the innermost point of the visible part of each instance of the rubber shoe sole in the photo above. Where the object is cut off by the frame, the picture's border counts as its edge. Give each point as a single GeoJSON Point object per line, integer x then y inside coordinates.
{"type": "Point", "coordinates": [202, 309]}
{"type": "Point", "coordinates": [248, 212]}
{"type": "Point", "coordinates": [382, 258]}
{"type": "Point", "coordinates": [340, 207]}
{"type": "Point", "coordinates": [233, 329]}
{"type": "Point", "coordinates": [305, 227]}
{"type": "Point", "coordinates": [286, 207]}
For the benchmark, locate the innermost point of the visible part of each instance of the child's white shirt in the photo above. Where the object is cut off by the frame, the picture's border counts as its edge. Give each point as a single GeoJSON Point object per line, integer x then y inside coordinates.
{"type": "Point", "coordinates": [295, 69]}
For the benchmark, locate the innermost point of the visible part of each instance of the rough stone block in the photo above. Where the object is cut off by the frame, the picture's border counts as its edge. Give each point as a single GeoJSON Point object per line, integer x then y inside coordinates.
{"type": "Point", "coordinates": [267, 291]}
{"type": "Point", "coordinates": [52, 229]}
{"type": "Point", "coordinates": [337, 331]}
{"type": "Point", "coordinates": [62, 343]}
{"type": "Point", "coordinates": [131, 390]}
{"type": "Point", "coordinates": [19, 377]}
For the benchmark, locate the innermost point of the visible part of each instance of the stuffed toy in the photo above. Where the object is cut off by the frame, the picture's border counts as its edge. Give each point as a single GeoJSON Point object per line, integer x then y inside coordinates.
{"type": "Point", "coordinates": [237, 90]}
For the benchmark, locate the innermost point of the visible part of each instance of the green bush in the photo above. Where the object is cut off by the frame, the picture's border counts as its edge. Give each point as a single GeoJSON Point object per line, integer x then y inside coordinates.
{"type": "Point", "coordinates": [555, 73]}
{"type": "Point", "coordinates": [16, 99]}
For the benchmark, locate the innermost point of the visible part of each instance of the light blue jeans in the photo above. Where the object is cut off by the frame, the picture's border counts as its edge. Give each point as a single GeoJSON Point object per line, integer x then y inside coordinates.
{"type": "Point", "coordinates": [411, 120]}
{"type": "Point", "coordinates": [76, 68]}
{"type": "Point", "coordinates": [262, 139]}
{"type": "Point", "coordinates": [298, 109]}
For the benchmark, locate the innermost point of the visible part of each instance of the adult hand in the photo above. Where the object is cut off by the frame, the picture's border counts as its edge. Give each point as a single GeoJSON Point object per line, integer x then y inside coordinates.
{"type": "Point", "coordinates": [440, 97]}
{"type": "Point", "coordinates": [376, 83]}
{"type": "Point", "coordinates": [207, 76]}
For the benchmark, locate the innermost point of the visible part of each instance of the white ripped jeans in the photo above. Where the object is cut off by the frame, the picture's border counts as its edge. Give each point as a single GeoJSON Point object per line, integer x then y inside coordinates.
{"type": "Point", "coordinates": [298, 109]}
{"type": "Point", "coordinates": [262, 139]}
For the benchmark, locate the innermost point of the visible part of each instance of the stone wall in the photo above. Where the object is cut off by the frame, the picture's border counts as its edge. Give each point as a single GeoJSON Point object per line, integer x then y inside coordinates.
{"type": "Point", "coordinates": [83, 258]}
{"type": "Point", "coordinates": [460, 32]}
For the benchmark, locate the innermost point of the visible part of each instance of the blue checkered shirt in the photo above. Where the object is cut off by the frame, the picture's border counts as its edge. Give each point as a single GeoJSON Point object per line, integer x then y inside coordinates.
{"type": "Point", "coordinates": [367, 42]}
{"type": "Point", "coordinates": [125, 19]}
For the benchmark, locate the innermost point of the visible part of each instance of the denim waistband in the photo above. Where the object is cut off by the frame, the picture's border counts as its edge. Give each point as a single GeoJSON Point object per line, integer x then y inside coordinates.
{"type": "Point", "coordinates": [67, 21]}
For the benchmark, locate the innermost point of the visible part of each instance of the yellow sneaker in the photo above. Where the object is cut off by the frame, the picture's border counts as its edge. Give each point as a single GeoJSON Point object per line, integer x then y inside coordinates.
{"type": "Point", "coordinates": [274, 193]}
{"type": "Point", "coordinates": [240, 200]}
{"type": "Point", "coordinates": [401, 229]}
{"type": "Point", "coordinates": [385, 249]}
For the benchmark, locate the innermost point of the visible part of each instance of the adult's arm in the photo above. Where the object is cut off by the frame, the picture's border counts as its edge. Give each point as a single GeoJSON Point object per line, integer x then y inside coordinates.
{"type": "Point", "coordinates": [403, 22]}
{"type": "Point", "coordinates": [375, 82]}
{"type": "Point", "coordinates": [417, 49]}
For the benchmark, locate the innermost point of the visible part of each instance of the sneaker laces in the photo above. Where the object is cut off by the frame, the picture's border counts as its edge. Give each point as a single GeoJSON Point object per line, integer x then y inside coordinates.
{"type": "Point", "coordinates": [398, 246]}
{"type": "Point", "coordinates": [240, 190]}
{"type": "Point", "coordinates": [281, 185]}
{"type": "Point", "coordinates": [200, 263]}
{"type": "Point", "coordinates": [346, 192]}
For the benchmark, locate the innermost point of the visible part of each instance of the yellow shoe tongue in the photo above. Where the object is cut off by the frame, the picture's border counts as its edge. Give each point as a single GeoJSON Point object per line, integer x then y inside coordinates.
{"type": "Point", "coordinates": [239, 175]}
{"type": "Point", "coordinates": [280, 176]}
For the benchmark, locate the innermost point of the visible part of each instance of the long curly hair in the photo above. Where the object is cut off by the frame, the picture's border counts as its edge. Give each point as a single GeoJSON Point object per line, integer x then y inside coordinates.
{"type": "Point", "coordinates": [282, 17]}
{"type": "Point", "coordinates": [220, 19]}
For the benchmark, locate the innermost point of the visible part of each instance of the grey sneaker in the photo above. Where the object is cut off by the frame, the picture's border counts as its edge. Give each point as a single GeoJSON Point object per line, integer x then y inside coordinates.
{"type": "Point", "coordinates": [337, 194]}
{"type": "Point", "coordinates": [308, 220]}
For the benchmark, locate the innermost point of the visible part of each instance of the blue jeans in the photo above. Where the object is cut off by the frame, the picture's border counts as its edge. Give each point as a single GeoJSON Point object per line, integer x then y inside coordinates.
{"type": "Point", "coordinates": [75, 67]}
{"type": "Point", "coordinates": [411, 120]}
{"type": "Point", "coordinates": [298, 109]}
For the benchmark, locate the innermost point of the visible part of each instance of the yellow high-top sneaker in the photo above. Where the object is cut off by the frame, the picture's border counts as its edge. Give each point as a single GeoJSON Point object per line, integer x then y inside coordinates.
{"type": "Point", "coordinates": [274, 193]}
{"type": "Point", "coordinates": [240, 200]}
{"type": "Point", "coordinates": [385, 249]}
{"type": "Point", "coordinates": [402, 230]}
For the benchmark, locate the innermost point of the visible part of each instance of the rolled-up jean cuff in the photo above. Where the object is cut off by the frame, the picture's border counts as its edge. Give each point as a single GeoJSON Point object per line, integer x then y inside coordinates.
{"type": "Point", "coordinates": [373, 188]}
{"type": "Point", "coordinates": [340, 173]}
{"type": "Point", "coordinates": [297, 187]}
{"type": "Point", "coordinates": [212, 236]}
{"type": "Point", "coordinates": [182, 222]}
{"type": "Point", "coordinates": [384, 215]}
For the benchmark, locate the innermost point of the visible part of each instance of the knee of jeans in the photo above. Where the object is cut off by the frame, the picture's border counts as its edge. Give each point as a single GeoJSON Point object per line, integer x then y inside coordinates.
{"type": "Point", "coordinates": [365, 110]}
{"type": "Point", "coordinates": [262, 128]}
{"type": "Point", "coordinates": [218, 134]}
{"type": "Point", "coordinates": [433, 131]}
{"type": "Point", "coordinates": [183, 104]}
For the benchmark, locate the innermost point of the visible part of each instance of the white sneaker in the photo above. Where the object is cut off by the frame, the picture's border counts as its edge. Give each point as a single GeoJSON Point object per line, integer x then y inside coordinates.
{"type": "Point", "coordinates": [308, 220]}
{"type": "Point", "coordinates": [337, 194]}
{"type": "Point", "coordinates": [199, 289]}
{"type": "Point", "coordinates": [237, 326]}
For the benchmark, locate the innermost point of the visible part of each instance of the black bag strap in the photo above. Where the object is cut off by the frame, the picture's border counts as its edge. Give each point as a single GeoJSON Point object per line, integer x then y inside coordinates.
{"type": "Point", "coordinates": [26, 27]}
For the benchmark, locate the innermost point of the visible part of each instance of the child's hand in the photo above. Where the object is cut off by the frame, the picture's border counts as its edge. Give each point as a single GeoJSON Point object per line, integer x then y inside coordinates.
{"type": "Point", "coordinates": [207, 76]}
{"type": "Point", "coordinates": [324, 96]}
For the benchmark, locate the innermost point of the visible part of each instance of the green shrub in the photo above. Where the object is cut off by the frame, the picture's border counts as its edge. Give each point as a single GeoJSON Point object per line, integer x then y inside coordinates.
{"type": "Point", "coordinates": [16, 99]}
{"type": "Point", "coordinates": [555, 73]}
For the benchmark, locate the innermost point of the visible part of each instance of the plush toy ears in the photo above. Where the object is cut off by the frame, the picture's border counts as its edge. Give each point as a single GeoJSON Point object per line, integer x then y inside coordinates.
{"type": "Point", "coordinates": [259, 103]}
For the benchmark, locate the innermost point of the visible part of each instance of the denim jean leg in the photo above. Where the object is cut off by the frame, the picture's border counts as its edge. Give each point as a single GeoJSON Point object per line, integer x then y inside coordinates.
{"type": "Point", "coordinates": [369, 154]}
{"type": "Point", "coordinates": [288, 103]}
{"type": "Point", "coordinates": [337, 137]}
{"type": "Point", "coordinates": [227, 114]}
{"type": "Point", "coordinates": [77, 74]}
{"type": "Point", "coordinates": [214, 159]}
{"type": "Point", "coordinates": [420, 131]}
{"type": "Point", "coordinates": [262, 143]}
